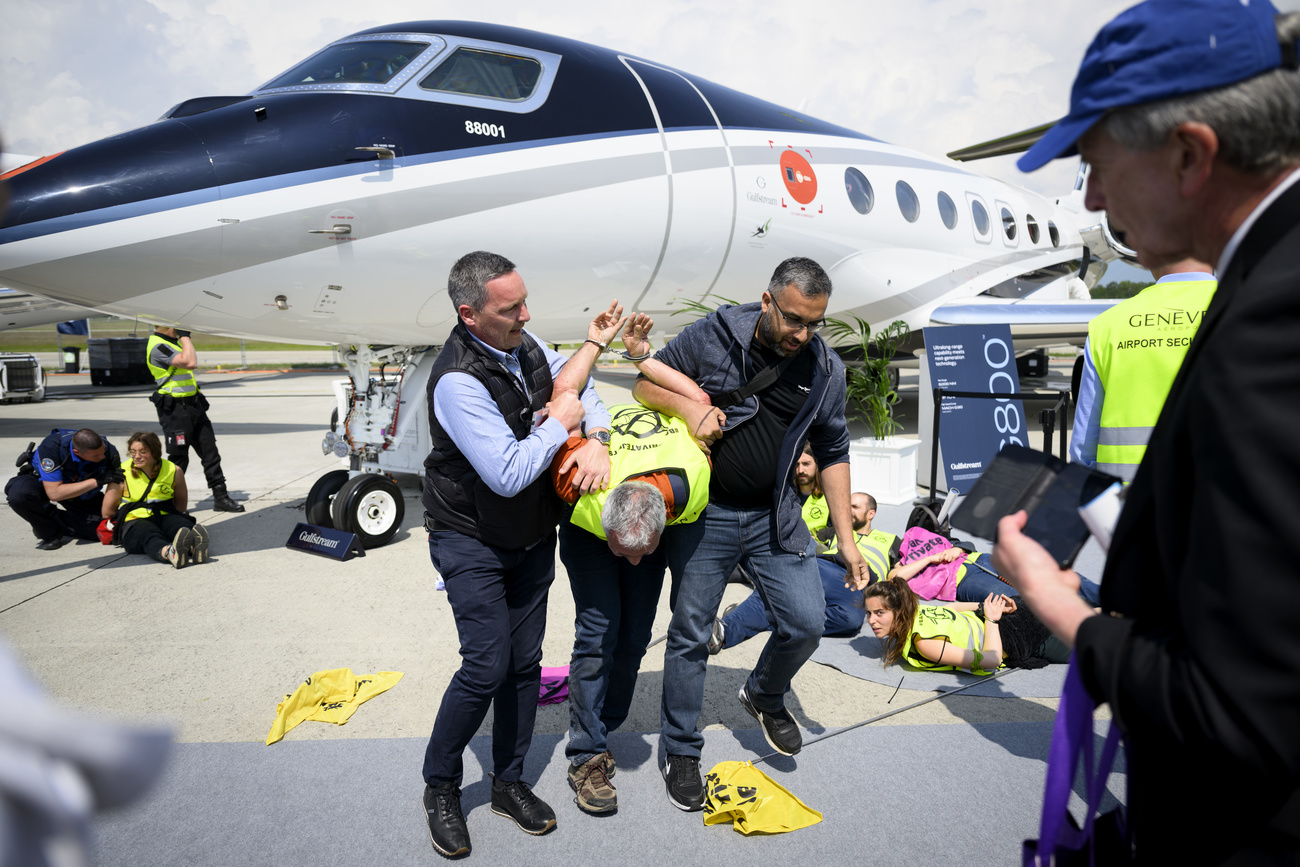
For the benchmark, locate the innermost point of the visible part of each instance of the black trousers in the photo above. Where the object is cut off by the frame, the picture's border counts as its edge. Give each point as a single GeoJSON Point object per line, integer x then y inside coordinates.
{"type": "Point", "coordinates": [150, 535]}
{"type": "Point", "coordinates": [185, 425]}
{"type": "Point", "coordinates": [78, 517]}
{"type": "Point", "coordinates": [498, 598]}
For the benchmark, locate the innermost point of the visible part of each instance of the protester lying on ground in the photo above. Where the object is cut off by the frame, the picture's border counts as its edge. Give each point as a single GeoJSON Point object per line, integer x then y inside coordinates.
{"type": "Point", "coordinates": [150, 507]}
{"type": "Point", "coordinates": [949, 570]}
{"type": "Point", "coordinates": [844, 612]}
{"type": "Point", "coordinates": [979, 637]}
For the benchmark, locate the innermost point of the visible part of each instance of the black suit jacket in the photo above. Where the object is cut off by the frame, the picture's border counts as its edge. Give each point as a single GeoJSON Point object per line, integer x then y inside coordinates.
{"type": "Point", "coordinates": [1200, 656]}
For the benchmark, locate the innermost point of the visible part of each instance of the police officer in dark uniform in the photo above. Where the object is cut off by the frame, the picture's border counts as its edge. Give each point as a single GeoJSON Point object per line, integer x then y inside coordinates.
{"type": "Point", "coordinates": [68, 467]}
{"type": "Point", "coordinates": [183, 410]}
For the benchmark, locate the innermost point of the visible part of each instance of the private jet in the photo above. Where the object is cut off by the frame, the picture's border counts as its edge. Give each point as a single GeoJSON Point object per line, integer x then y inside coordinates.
{"type": "Point", "coordinates": [327, 205]}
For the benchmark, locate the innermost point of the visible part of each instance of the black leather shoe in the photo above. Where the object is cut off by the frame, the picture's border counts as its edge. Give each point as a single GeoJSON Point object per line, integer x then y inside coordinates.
{"type": "Point", "coordinates": [516, 801]}
{"type": "Point", "coordinates": [53, 544]}
{"type": "Point", "coordinates": [685, 788]}
{"type": "Point", "coordinates": [447, 827]}
{"type": "Point", "coordinates": [778, 727]}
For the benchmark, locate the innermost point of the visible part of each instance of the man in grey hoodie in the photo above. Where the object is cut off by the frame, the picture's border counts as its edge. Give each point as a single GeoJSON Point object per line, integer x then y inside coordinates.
{"type": "Point", "coordinates": [773, 384]}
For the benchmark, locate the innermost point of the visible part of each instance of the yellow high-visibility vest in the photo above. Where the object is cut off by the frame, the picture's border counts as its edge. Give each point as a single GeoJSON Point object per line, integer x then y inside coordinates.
{"type": "Point", "coordinates": [1137, 347]}
{"type": "Point", "coordinates": [875, 547]}
{"type": "Point", "coordinates": [163, 490]}
{"type": "Point", "coordinates": [642, 442]}
{"type": "Point", "coordinates": [176, 381]}
{"type": "Point", "coordinates": [816, 514]}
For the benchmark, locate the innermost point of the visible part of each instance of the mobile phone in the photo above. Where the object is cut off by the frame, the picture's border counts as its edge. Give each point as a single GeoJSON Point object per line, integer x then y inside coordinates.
{"type": "Point", "coordinates": [1050, 490]}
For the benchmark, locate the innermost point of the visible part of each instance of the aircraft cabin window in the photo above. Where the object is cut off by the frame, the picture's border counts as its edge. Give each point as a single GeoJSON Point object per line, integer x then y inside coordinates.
{"type": "Point", "coordinates": [908, 203]}
{"type": "Point", "coordinates": [1053, 234]}
{"type": "Point", "coordinates": [476, 72]}
{"type": "Point", "coordinates": [859, 191]}
{"type": "Point", "coordinates": [1032, 226]}
{"type": "Point", "coordinates": [947, 210]}
{"type": "Point", "coordinates": [1008, 224]}
{"type": "Point", "coordinates": [368, 62]}
{"type": "Point", "coordinates": [981, 217]}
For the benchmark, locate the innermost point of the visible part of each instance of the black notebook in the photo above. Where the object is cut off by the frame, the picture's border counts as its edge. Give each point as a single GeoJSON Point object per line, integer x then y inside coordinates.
{"type": "Point", "coordinates": [1046, 487]}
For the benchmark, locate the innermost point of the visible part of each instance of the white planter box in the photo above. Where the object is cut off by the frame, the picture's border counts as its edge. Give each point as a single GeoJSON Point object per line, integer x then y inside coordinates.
{"type": "Point", "coordinates": [885, 469]}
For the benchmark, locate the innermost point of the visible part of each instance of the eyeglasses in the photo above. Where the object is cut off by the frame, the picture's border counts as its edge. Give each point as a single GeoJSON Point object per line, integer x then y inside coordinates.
{"type": "Point", "coordinates": [141, 452]}
{"type": "Point", "coordinates": [797, 324]}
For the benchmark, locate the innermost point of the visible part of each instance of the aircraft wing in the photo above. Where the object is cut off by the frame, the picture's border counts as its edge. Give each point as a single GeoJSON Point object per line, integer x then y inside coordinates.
{"type": "Point", "coordinates": [24, 310]}
{"type": "Point", "coordinates": [1033, 323]}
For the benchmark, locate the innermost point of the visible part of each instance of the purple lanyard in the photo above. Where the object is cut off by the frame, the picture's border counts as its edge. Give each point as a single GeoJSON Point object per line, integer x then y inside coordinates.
{"type": "Point", "coordinates": [1072, 736]}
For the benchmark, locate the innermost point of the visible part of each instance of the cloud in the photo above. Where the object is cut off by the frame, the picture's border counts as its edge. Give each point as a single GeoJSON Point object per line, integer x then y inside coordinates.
{"type": "Point", "coordinates": [932, 75]}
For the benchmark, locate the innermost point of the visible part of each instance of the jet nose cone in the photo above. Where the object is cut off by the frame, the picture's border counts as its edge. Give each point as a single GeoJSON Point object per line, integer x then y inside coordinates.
{"type": "Point", "coordinates": [79, 186]}
{"type": "Point", "coordinates": [77, 227]}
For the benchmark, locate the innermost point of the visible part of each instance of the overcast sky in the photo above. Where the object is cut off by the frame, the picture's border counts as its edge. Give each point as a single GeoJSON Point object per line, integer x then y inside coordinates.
{"type": "Point", "coordinates": [933, 75]}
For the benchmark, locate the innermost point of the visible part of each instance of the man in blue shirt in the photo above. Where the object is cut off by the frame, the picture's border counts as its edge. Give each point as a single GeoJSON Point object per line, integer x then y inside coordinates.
{"type": "Point", "coordinates": [491, 512]}
{"type": "Point", "coordinates": [68, 467]}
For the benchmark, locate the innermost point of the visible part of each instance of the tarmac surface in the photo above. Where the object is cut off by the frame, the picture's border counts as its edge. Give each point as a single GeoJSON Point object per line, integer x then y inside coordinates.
{"type": "Point", "coordinates": [211, 649]}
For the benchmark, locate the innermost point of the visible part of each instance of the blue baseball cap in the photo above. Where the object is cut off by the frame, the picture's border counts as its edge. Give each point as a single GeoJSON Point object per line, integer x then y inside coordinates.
{"type": "Point", "coordinates": [1159, 49]}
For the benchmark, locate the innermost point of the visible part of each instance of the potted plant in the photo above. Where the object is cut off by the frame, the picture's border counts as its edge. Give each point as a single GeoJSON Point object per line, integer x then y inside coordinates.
{"type": "Point", "coordinates": [883, 465]}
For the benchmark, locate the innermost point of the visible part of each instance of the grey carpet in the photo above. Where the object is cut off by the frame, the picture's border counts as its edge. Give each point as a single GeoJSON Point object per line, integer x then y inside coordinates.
{"type": "Point", "coordinates": [861, 656]}
{"type": "Point", "coordinates": [888, 795]}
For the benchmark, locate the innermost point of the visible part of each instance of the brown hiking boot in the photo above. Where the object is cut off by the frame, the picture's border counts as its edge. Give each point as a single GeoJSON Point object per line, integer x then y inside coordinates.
{"type": "Point", "coordinates": [595, 793]}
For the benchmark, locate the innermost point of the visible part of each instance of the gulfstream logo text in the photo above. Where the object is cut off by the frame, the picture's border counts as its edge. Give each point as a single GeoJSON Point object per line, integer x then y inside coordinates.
{"type": "Point", "coordinates": [317, 539]}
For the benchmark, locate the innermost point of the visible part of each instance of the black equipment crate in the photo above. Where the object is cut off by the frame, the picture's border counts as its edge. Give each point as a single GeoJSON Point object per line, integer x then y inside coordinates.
{"type": "Point", "coordinates": [118, 361]}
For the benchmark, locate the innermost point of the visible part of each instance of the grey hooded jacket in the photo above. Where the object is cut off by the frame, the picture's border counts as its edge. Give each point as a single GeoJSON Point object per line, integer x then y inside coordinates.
{"type": "Point", "coordinates": [714, 351]}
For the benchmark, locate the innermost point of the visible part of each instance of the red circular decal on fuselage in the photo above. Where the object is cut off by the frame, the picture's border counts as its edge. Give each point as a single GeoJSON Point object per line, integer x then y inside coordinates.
{"type": "Point", "coordinates": [798, 176]}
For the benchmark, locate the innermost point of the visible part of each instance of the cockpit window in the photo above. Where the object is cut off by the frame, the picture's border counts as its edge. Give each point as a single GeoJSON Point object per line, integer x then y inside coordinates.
{"type": "Point", "coordinates": [475, 72]}
{"type": "Point", "coordinates": [368, 62]}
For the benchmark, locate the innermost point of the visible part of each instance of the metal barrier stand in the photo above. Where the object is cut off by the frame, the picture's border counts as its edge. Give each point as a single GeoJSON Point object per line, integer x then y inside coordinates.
{"type": "Point", "coordinates": [1047, 418]}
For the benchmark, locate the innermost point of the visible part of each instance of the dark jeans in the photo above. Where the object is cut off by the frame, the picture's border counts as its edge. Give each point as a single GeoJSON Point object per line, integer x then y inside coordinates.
{"type": "Point", "coordinates": [79, 516]}
{"type": "Point", "coordinates": [187, 425]}
{"type": "Point", "coordinates": [844, 609]}
{"type": "Point", "coordinates": [150, 535]}
{"type": "Point", "coordinates": [498, 598]}
{"type": "Point", "coordinates": [701, 556]}
{"type": "Point", "coordinates": [616, 605]}
{"type": "Point", "coordinates": [981, 579]}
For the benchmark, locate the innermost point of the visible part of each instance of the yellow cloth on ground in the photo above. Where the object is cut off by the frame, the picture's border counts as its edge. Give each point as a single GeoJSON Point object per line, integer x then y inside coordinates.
{"type": "Point", "coordinates": [328, 696]}
{"type": "Point", "coordinates": [753, 802]}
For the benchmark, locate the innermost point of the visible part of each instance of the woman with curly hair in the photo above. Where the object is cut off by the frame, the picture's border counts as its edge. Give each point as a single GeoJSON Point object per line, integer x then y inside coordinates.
{"type": "Point", "coordinates": [977, 637]}
{"type": "Point", "coordinates": [157, 525]}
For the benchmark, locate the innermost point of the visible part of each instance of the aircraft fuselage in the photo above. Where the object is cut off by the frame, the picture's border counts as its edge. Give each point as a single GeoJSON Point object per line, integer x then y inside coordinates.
{"type": "Point", "coordinates": [330, 210]}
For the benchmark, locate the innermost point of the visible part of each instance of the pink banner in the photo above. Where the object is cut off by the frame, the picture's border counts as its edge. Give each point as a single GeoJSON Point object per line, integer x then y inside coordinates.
{"type": "Point", "coordinates": [938, 580]}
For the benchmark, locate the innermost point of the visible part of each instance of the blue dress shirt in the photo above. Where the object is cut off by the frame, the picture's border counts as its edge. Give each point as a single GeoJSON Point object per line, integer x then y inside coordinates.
{"type": "Point", "coordinates": [471, 418]}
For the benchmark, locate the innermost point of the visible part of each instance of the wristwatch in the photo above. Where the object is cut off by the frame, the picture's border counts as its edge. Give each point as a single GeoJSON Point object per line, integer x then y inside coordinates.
{"type": "Point", "coordinates": [600, 436]}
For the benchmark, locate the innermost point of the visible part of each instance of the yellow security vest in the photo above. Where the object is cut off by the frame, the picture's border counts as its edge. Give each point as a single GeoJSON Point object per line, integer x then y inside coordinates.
{"type": "Point", "coordinates": [163, 490]}
{"type": "Point", "coordinates": [875, 547]}
{"type": "Point", "coordinates": [816, 514]}
{"type": "Point", "coordinates": [963, 629]}
{"type": "Point", "coordinates": [643, 442]}
{"type": "Point", "coordinates": [1137, 347]}
{"type": "Point", "coordinates": [176, 381]}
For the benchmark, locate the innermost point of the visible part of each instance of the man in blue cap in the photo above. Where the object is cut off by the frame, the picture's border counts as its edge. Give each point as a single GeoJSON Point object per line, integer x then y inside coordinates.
{"type": "Point", "coordinates": [1189, 114]}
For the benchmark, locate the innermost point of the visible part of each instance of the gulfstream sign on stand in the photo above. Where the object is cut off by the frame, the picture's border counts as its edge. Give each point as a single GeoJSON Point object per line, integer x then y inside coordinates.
{"type": "Point", "coordinates": [977, 358]}
{"type": "Point", "coordinates": [325, 541]}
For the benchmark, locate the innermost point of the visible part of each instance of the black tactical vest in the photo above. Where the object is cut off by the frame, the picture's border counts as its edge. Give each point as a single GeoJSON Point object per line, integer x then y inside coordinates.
{"type": "Point", "coordinates": [454, 495]}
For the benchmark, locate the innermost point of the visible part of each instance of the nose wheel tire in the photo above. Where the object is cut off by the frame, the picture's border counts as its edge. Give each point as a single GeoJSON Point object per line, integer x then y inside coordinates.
{"type": "Point", "coordinates": [371, 506]}
{"type": "Point", "coordinates": [321, 496]}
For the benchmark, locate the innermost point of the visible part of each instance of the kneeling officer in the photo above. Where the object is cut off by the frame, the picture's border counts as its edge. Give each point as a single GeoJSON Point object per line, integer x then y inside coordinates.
{"type": "Point", "coordinates": [68, 467]}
